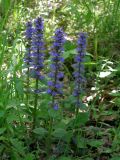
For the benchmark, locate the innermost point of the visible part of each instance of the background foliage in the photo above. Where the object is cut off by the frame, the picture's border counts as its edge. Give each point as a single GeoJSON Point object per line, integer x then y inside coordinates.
{"type": "Point", "coordinates": [99, 137]}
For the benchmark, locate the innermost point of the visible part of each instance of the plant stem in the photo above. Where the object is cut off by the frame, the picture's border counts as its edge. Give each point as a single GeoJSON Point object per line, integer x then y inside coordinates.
{"type": "Point", "coordinates": [48, 146]}
{"type": "Point", "coordinates": [28, 83]}
{"type": "Point", "coordinates": [78, 97]}
{"type": "Point", "coordinates": [35, 105]}
{"type": "Point", "coordinates": [96, 48]}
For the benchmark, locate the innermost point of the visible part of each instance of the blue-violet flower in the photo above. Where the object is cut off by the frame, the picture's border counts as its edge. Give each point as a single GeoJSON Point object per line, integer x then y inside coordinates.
{"type": "Point", "coordinates": [55, 85]}
{"type": "Point", "coordinates": [79, 67]}
{"type": "Point", "coordinates": [28, 36]}
{"type": "Point", "coordinates": [37, 52]}
{"type": "Point", "coordinates": [38, 49]}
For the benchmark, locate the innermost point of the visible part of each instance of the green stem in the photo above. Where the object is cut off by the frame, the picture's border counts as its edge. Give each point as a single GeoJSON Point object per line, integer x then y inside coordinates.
{"type": "Point", "coordinates": [35, 105]}
{"type": "Point", "coordinates": [28, 84]}
{"type": "Point", "coordinates": [48, 142]}
{"type": "Point", "coordinates": [51, 118]}
{"type": "Point", "coordinates": [48, 146]}
{"type": "Point", "coordinates": [96, 48]}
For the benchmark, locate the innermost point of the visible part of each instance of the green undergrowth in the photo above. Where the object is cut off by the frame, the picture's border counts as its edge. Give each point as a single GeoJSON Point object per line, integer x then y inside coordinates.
{"type": "Point", "coordinates": [94, 133]}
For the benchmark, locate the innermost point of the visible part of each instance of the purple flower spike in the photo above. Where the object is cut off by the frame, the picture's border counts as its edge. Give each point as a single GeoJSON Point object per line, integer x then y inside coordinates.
{"type": "Point", "coordinates": [38, 48]}
{"type": "Point", "coordinates": [28, 35]}
{"type": "Point", "coordinates": [55, 85]}
{"type": "Point", "coordinates": [79, 67]}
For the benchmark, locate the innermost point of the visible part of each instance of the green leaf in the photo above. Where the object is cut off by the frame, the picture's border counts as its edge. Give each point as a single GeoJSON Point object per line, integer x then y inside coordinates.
{"type": "Point", "coordinates": [4, 5]}
{"type": "Point", "coordinates": [2, 130]}
{"type": "Point", "coordinates": [18, 145]}
{"type": "Point", "coordinates": [116, 94]}
{"type": "Point", "coordinates": [95, 143]}
{"type": "Point", "coordinates": [29, 157]}
{"type": "Point", "coordinates": [81, 142]}
{"type": "Point", "coordinates": [69, 45]}
{"type": "Point", "coordinates": [69, 53]}
{"type": "Point", "coordinates": [67, 137]}
{"type": "Point", "coordinates": [12, 117]}
{"type": "Point", "coordinates": [19, 85]}
{"type": "Point", "coordinates": [2, 113]}
{"type": "Point", "coordinates": [107, 150]}
{"type": "Point", "coordinates": [2, 138]}
{"type": "Point", "coordinates": [43, 114]}
{"type": "Point", "coordinates": [64, 158]}
{"type": "Point", "coordinates": [82, 118]}
{"type": "Point", "coordinates": [115, 158]}
{"type": "Point", "coordinates": [88, 159]}
{"type": "Point", "coordinates": [59, 133]}
{"type": "Point", "coordinates": [53, 113]}
{"type": "Point", "coordinates": [40, 131]}
{"type": "Point", "coordinates": [117, 101]}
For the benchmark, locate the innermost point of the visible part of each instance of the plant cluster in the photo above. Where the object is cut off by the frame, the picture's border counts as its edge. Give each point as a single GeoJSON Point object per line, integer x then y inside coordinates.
{"type": "Point", "coordinates": [34, 61]}
{"type": "Point", "coordinates": [59, 102]}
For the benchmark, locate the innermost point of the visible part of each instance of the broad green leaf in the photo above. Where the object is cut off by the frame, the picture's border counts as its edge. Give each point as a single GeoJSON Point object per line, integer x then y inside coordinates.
{"type": "Point", "coordinates": [81, 118]}
{"type": "Point", "coordinates": [59, 133]}
{"type": "Point", "coordinates": [40, 131]}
